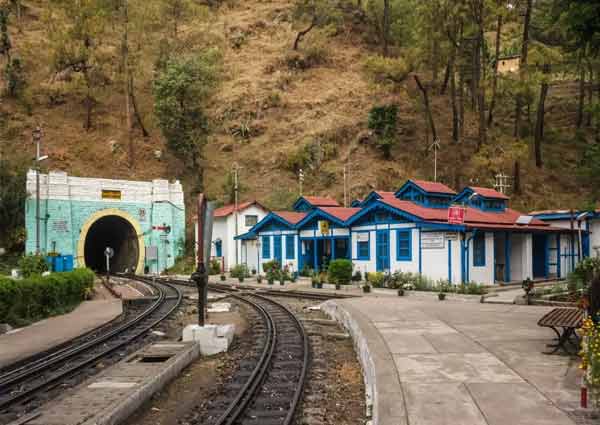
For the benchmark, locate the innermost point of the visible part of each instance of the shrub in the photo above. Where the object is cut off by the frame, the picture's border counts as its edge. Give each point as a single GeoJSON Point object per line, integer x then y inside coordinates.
{"type": "Point", "coordinates": [223, 277]}
{"type": "Point", "coordinates": [32, 264]}
{"type": "Point", "coordinates": [375, 279]}
{"type": "Point", "coordinates": [36, 297]}
{"type": "Point", "coordinates": [215, 267]}
{"type": "Point", "coordinates": [383, 121]}
{"type": "Point", "coordinates": [386, 70]}
{"type": "Point", "coordinates": [340, 271]}
{"type": "Point", "coordinates": [366, 288]}
{"type": "Point", "coordinates": [271, 266]}
{"type": "Point", "coordinates": [357, 276]}
{"type": "Point", "coordinates": [239, 271]}
{"type": "Point", "coordinates": [307, 271]}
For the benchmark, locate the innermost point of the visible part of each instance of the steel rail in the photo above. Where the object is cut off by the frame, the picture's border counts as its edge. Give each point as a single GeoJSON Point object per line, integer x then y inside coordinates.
{"type": "Point", "coordinates": [70, 353]}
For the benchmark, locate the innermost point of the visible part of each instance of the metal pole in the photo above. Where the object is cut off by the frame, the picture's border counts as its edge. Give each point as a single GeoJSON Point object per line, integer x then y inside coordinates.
{"type": "Point", "coordinates": [345, 188]}
{"type": "Point", "coordinates": [37, 134]}
{"type": "Point", "coordinates": [235, 187]}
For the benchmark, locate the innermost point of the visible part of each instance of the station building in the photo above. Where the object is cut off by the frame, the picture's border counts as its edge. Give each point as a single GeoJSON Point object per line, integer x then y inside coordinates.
{"type": "Point", "coordinates": [409, 230]}
{"type": "Point", "coordinates": [224, 245]}
{"type": "Point", "coordinates": [144, 222]}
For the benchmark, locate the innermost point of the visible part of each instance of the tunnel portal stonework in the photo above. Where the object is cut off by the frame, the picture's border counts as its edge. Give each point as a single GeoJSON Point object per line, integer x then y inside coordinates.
{"type": "Point", "coordinates": [144, 220]}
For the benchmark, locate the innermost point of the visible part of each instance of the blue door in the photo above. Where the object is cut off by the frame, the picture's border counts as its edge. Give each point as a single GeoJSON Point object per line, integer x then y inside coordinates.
{"type": "Point", "coordinates": [540, 257]}
{"type": "Point", "coordinates": [277, 248]}
{"type": "Point", "coordinates": [382, 251]}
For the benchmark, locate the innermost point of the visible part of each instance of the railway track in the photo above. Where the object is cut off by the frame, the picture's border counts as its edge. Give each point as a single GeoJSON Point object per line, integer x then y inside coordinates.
{"type": "Point", "coordinates": [267, 387]}
{"type": "Point", "coordinates": [26, 385]}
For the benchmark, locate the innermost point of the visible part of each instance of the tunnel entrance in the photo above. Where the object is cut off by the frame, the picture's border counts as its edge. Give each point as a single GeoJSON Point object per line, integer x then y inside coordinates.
{"type": "Point", "coordinates": [115, 232]}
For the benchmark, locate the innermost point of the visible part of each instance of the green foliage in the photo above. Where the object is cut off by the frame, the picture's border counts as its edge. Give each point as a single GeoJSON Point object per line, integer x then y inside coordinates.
{"type": "Point", "coordinates": [12, 202]}
{"type": "Point", "coordinates": [183, 265]}
{"type": "Point", "coordinates": [384, 70]}
{"type": "Point", "coordinates": [383, 120]}
{"type": "Point", "coordinates": [5, 43]}
{"type": "Point", "coordinates": [375, 279]}
{"type": "Point", "coordinates": [281, 198]}
{"type": "Point", "coordinates": [215, 267]}
{"type": "Point", "coordinates": [14, 74]}
{"type": "Point", "coordinates": [32, 265]}
{"type": "Point", "coordinates": [357, 276]}
{"type": "Point", "coordinates": [180, 91]}
{"type": "Point", "coordinates": [241, 270]}
{"type": "Point", "coordinates": [585, 271]}
{"type": "Point", "coordinates": [24, 301]}
{"type": "Point", "coordinates": [228, 188]}
{"type": "Point", "coordinates": [340, 271]}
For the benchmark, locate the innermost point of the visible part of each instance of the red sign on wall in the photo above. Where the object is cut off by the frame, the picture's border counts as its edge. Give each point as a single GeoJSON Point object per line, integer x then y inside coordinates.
{"type": "Point", "coordinates": [456, 215]}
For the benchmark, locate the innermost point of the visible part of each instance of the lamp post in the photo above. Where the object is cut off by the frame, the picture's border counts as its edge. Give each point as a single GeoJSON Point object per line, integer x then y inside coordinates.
{"type": "Point", "coordinates": [37, 138]}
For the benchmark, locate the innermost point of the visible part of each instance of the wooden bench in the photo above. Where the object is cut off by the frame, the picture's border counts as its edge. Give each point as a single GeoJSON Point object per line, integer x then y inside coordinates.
{"type": "Point", "coordinates": [564, 321]}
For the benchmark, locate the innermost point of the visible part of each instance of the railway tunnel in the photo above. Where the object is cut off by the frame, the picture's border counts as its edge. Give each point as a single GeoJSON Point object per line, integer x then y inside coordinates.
{"type": "Point", "coordinates": [115, 232]}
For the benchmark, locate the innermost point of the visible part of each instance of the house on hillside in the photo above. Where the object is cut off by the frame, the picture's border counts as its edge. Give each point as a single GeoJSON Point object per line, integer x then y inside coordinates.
{"type": "Point", "coordinates": [409, 230]}
{"type": "Point", "coordinates": [509, 64]}
{"type": "Point", "coordinates": [247, 215]}
{"type": "Point", "coordinates": [586, 228]}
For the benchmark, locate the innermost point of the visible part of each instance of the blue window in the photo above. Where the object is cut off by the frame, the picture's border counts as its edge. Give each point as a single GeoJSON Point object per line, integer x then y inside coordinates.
{"type": "Point", "coordinates": [277, 248]}
{"type": "Point", "coordinates": [479, 250]}
{"type": "Point", "coordinates": [290, 251]}
{"type": "Point", "coordinates": [403, 245]}
{"type": "Point", "coordinates": [219, 248]}
{"type": "Point", "coordinates": [362, 245]}
{"type": "Point", "coordinates": [266, 247]}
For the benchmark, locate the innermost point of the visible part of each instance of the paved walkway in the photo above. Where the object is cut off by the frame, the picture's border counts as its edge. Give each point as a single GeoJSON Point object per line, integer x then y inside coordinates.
{"type": "Point", "coordinates": [434, 363]}
{"type": "Point", "coordinates": [24, 342]}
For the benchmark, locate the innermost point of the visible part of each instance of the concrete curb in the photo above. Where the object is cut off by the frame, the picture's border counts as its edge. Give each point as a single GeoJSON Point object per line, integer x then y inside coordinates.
{"type": "Point", "coordinates": [385, 399]}
{"type": "Point", "coordinates": [119, 412]}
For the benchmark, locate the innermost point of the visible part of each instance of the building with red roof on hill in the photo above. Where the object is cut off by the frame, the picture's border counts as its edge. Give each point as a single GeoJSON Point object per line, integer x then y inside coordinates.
{"type": "Point", "coordinates": [424, 227]}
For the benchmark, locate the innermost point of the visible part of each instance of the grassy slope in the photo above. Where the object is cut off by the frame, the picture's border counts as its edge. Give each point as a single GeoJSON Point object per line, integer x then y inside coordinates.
{"type": "Point", "coordinates": [333, 98]}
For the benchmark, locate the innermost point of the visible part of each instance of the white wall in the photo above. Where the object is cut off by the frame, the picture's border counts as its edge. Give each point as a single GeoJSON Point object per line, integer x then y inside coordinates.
{"type": "Point", "coordinates": [483, 274]}
{"type": "Point", "coordinates": [291, 264]}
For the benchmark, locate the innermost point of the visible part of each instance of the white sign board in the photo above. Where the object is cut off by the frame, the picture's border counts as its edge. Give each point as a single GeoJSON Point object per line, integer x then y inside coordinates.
{"type": "Point", "coordinates": [452, 236]}
{"type": "Point", "coordinates": [362, 237]}
{"type": "Point", "coordinates": [432, 240]}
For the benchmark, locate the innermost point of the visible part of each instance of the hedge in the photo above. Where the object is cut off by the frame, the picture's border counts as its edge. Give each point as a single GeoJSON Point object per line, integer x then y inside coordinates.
{"type": "Point", "coordinates": [340, 271]}
{"type": "Point", "coordinates": [36, 297]}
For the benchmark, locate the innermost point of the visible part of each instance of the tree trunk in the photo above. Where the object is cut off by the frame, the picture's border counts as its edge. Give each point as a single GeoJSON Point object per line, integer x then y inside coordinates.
{"type": "Point", "coordinates": [590, 93]}
{"type": "Point", "coordinates": [130, 153]}
{"type": "Point", "coordinates": [517, 178]}
{"type": "Point", "coordinates": [539, 124]}
{"type": "Point", "coordinates": [461, 87]}
{"type": "Point", "coordinates": [136, 111]}
{"type": "Point", "coordinates": [386, 26]}
{"type": "Point", "coordinates": [455, 113]}
{"type": "Point", "coordinates": [427, 108]}
{"type": "Point", "coordinates": [581, 96]}
{"type": "Point", "coordinates": [523, 65]}
{"type": "Point", "coordinates": [446, 78]}
{"type": "Point", "coordinates": [302, 33]}
{"type": "Point", "coordinates": [495, 78]}
{"type": "Point", "coordinates": [434, 61]}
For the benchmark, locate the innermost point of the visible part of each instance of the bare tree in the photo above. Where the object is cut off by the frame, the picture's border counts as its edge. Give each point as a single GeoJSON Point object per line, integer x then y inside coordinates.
{"type": "Point", "coordinates": [495, 77]}
{"type": "Point", "coordinates": [539, 123]}
{"type": "Point", "coordinates": [523, 65]}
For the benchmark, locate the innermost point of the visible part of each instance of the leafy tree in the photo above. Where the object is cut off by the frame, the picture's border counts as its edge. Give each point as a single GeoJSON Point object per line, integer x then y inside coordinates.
{"type": "Point", "coordinates": [15, 78]}
{"type": "Point", "coordinates": [383, 121]}
{"type": "Point", "coordinates": [5, 43]}
{"type": "Point", "coordinates": [12, 201]}
{"type": "Point", "coordinates": [314, 14]}
{"type": "Point", "coordinates": [180, 93]}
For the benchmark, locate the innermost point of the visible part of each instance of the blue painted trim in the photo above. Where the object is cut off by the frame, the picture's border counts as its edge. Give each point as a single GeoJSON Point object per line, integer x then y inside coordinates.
{"type": "Point", "coordinates": [277, 248]}
{"type": "Point", "coordinates": [300, 255]}
{"type": "Point", "coordinates": [558, 260]}
{"type": "Point", "coordinates": [315, 246]}
{"type": "Point", "coordinates": [442, 226]}
{"type": "Point", "coordinates": [479, 260]}
{"type": "Point", "coordinates": [507, 254]}
{"type": "Point", "coordinates": [289, 238]}
{"type": "Point", "coordinates": [381, 205]}
{"type": "Point", "coordinates": [385, 258]}
{"type": "Point", "coordinates": [302, 205]}
{"type": "Point", "coordinates": [246, 236]}
{"type": "Point", "coordinates": [404, 234]}
{"type": "Point", "coordinates": [546, 257]}
{"type": "Point", "coordinates": [219, 248]}
{"type": "Point", "coordinates": [368, 256]}
{"type": "Point", "coordinates": [269, 218]}
{"type": "Point", "coordinates": [319, 213]}
{"type": "Point", "coordinates": [449, 261]}
{"type": "Point", "coordinates": [266, 247]}
{"type": "Point", "coordinates": [420, 254]}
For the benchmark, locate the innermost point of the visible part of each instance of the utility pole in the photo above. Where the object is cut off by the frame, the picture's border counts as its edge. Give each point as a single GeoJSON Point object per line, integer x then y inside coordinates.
{"type": "Point", "coordinates": [502, 184]}
{"type": "Point", "coordinates": [345, 186]}
{"type": "Point", "coordinates": [300, 179]}
{"type": "Point", "coordinates": [435, 146]}
{"type": "Point", "coordinates": [235, 207]}
{"type": "Point", "coordinates": [37, 138]}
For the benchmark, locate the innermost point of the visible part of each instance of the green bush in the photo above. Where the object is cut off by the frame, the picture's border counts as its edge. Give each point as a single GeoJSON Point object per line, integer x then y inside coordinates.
{"type": "Point", "coordinates": [36, 297]}
{"type": "Point", "coordinates": [32, 264]}
{"type": "Point", "coordinates": [241, 270]}
{"type": "Point", "coordinates": [376, 279]}
{"type": "Point", "coordinates": [215, 267]}
{"type": "Point", "coordinates": [357, 276]}
{"type": "Point", "coordinates": [383, 120]}
{"type": "Point", "coordinates": [340, 271]}
{"type": "Point", "coordinates": [386, 70]}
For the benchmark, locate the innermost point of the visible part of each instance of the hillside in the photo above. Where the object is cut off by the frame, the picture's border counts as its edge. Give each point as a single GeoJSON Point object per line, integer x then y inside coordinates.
{"type": "Point", "coordinates": [265, 111]}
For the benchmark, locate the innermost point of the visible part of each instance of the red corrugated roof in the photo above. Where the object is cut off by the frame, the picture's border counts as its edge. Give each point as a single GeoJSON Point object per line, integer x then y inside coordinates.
{"type": "Point", "coordinates": [472, 215]}
{"type": "Point", "coordinates": [384, 194]}
{"type": "Point", "coordinates": [434, 187]}
{"type": "Point", "coordinates": [340, 213]}
{"type": "Point", "coordinates": [321, 201]}
{"type": "Point", "coordinates": [291, 217]}
{"type": "Point", "coordinates": [229, 209]}
{"type": "Point", "coordinates": [488, 193]}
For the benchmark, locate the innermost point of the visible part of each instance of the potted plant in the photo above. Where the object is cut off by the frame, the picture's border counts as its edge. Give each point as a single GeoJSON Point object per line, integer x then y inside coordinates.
{"type": "Point", "coordinates": [253, 272]}
{"type": "Point", "coordinates": [366, 288]}
{"type": "Point", "coordinates": [241, 278]}
{"type": "Point", "coordinates": [319, 285]}
{"type": "Point", "coordinates": [223, 277]}
{"type": "Point", "coordinates": [401, 291]}
{"type": "Point", "coordinates": [441, 296]}
{"type": "Point", "coordinates": [258, 279]}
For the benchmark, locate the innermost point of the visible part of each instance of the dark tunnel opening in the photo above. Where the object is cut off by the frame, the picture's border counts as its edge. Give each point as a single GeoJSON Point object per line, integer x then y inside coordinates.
{"type": "Point", "coordinates": [115, 232]}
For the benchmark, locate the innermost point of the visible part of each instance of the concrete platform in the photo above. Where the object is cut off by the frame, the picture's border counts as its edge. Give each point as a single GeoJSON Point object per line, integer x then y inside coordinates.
{"type": "Point", "coordinates": [112, 396]}
{"type": "Point", "coordinates": [427, 362]}
{"type": "Point", "coordinates": [45, 334]}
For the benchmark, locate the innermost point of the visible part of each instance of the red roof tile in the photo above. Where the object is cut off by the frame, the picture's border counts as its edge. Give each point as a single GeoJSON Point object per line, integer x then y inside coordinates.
{"type": "Point", "coordinates": [488, 193]}
{"type": "Point", "coordinates": [340, 213]}
{"type": "Point", "coordinates": [384, 194]}
{"type": "Point", "coordinates": [472, 216]}
{"type": "Point", "coordinates": [230, 209]}
{"type": "Point", "coordinates": [434, 187]}
{"type": "Point", "coordinates": [321, 201]}
{"type": "Point", "coordinates": [291, 217]}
